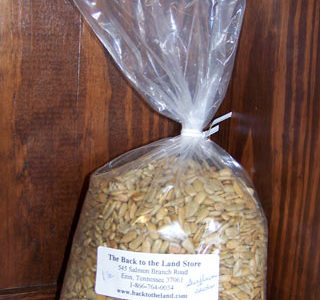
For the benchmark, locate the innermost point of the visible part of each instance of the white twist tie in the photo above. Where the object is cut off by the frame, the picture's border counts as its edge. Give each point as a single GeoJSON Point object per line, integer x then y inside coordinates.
{"type": "Point", "coordinates": [212, 129]}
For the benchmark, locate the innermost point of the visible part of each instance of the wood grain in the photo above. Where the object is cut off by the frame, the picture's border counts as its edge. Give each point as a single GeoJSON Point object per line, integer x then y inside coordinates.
{"type": "Point", "coordinates": [276, 135]}
{"type": "Point", "coordinates": [42, 292]}
{"type": "Point", "coordinates": [36, 112]}
{"type": "Point", "coordinates": [65, 110]}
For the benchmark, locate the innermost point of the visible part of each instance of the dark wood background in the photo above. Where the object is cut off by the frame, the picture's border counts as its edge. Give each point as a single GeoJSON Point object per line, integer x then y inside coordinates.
{"type": "Point", "coordinates": [65, 110]}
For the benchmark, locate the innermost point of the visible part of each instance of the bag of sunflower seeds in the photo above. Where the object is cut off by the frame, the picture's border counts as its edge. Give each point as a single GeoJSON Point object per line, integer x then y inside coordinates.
{"type": "Point", "coordinates": [179, 218]}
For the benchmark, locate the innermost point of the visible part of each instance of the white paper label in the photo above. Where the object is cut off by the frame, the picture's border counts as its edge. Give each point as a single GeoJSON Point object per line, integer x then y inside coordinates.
{"type": "Point", "coordinates": [144, 276]}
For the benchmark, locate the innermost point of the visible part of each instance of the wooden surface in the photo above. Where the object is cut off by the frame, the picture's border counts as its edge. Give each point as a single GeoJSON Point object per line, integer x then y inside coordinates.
{"type": "Point", "coordinates": [65, 110]}
{"type": "Point", "coordinates": [276, 135]}
{"type": "Point", "coordinates": [42, 292]}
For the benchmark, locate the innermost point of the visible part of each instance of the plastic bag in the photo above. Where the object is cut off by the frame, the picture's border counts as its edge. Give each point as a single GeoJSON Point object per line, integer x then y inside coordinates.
{"type": "Point", "coordinates": [178, 218]}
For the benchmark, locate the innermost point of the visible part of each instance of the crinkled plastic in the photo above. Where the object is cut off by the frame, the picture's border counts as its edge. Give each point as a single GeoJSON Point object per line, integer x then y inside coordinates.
{"type": "Point", "coordinates": [181, 195]}
{"type": "Point", "coordinates": [178, 54]}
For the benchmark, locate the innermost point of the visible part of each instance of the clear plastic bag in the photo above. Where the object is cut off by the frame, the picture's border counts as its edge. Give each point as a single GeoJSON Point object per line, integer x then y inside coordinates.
{"type": "Point", "coordinates": [181, 195]}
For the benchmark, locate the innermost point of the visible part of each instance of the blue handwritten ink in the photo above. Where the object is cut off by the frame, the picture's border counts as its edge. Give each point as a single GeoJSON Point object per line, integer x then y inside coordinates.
{"type": "Point", "coordinates": [200, 281]}
{"type": "Point", "coordinates": [106, 275]}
